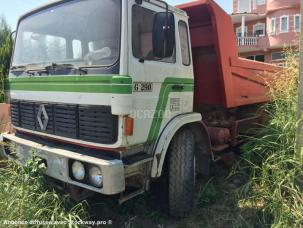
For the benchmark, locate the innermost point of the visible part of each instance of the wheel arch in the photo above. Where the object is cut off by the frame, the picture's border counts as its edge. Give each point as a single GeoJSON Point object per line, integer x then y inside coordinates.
{"type": "Point", "coordinates": [191, 120]}
{"type": "Point", "coordinates": [201, 133]}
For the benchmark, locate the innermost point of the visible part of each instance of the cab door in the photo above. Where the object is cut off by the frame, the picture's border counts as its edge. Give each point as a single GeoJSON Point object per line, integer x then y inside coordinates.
{"type": "Point", "coordinates": [160, 89]}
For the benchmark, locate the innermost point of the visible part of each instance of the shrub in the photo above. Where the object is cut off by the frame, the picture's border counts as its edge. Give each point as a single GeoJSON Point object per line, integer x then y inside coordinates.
{"type": "Point", "coordinates": [5, 53]}
{"type": "Point", "coordinates": [25, 196]}
{"type": "Point", "coordinates": [270, 159]}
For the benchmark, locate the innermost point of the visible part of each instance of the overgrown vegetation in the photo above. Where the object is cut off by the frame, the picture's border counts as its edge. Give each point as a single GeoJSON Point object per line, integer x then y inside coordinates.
{"type": "Point", "coordinates": [272, 195]}
{"type": "Point", "coordinates": [26, 196]}
{"type": "Point", "coordinates": [5, 53]}
{"type": "Point", "coordinates": [274, 172]}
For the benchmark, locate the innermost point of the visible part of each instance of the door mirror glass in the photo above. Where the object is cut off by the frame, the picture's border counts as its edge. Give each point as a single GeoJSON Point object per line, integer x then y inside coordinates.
{"type": "Point", "coordinates": [163, 35]}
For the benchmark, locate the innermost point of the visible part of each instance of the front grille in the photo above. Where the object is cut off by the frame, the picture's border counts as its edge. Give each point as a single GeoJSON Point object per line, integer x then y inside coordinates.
{"type": "Point", "coordinates": [83, 122]}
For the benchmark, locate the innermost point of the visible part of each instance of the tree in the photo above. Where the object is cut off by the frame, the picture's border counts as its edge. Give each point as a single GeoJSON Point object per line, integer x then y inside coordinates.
{"type": "Point", "coordinates": [5, 52]}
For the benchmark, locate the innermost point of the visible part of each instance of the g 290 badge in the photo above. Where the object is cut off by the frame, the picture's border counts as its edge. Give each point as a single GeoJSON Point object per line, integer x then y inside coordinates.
{"type": "Point", "coordinates": [143, 87]}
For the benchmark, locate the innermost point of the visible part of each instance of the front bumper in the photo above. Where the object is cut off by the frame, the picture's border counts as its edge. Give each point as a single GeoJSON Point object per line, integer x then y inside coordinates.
{"type": "Point", "coordinates": [57, 160]}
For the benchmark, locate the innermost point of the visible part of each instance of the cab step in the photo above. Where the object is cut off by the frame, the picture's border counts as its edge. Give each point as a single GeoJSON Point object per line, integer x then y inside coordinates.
{"type": "Point", "coordinates": [130, 194]}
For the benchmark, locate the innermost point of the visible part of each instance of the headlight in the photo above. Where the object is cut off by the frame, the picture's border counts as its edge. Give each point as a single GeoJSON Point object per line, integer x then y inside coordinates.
{"type": "Point", "coordinates": [78, 170]}
{"type": "Point", "coordinates": [95, 176]}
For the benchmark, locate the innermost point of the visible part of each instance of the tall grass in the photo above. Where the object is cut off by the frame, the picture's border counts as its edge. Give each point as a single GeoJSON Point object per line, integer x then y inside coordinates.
{"type": "Point", "coordinates": [26, 196]}
{"type": "Point", "coordinates": [270, 160]}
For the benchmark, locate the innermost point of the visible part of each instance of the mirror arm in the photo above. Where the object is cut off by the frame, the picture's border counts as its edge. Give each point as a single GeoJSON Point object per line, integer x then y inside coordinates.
{"type": "Point", "coordinates": [166, 26]}
{"type": "Point", "coordinates": [11, 35]}
{"type": "Point", "coordinates": [165, 3]}
{"type": "Point", "coordinates": [166, 21]}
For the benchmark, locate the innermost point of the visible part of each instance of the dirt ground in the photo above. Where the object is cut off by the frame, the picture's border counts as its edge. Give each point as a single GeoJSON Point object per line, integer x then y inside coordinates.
{"type": "Point", "coordinates": [216, 205]}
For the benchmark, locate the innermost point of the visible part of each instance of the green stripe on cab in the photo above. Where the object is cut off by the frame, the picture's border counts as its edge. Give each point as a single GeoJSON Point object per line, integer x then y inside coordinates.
{"type": "Point", "coordinates": [83, 84]}
{"type": "Point", "coordinates": [166, 89]}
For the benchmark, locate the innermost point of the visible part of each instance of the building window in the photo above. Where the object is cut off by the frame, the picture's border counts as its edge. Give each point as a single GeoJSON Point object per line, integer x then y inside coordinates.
{"type": "Point", "coordinates": [259, 58]}
{"type": "Point", "coordinates": [297, 22]}
{"type": "Point", "coordinates": [275, 56]}
{"type": "Point", "coordinates": [284, 24]}
{"type": "Point", "coordinates": [239, 31]}
{"type": "Point", "coordinates": [244, 6]}
{"type": "Point", "coordinates": [184, 41]}
{"type": "Point", "coordinates": [259, 29]}
{"type": "Point", "coordinates": [272, 26]}
{"type": "Point", "coordinates": [260, 2]}
{"type": "Point", "coordinates": [142, 29]}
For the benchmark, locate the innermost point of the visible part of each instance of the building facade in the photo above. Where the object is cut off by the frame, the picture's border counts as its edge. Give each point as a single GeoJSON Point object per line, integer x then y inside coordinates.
{"type": "Point", "coordinates": [265, 27]}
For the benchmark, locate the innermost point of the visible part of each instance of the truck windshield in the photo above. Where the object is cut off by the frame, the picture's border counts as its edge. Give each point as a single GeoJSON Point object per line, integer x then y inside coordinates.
{"type": "Point", "coordinates": [81, 33]}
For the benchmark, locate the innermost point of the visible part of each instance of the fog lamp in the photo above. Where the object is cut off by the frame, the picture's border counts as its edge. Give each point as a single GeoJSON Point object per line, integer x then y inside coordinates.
{"type": "Point", "coordinates": [95, 176]}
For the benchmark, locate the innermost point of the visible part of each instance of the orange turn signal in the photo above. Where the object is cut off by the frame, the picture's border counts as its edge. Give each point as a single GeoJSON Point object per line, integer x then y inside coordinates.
{"type": "Point", "coordinates": [128, 126]}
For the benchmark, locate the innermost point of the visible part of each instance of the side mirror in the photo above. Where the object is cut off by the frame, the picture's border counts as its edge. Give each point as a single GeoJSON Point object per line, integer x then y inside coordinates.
{"type": "Point", "coordinates": [163, 35]}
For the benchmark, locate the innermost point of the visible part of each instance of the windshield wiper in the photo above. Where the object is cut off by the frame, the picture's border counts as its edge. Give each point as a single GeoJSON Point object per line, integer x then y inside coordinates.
{"type": "Point", "coordinates": [17, 68]}
{"type": "Point", "coordinates": [57, 66]}
{"type": "Point", "coordinates": [29, 68]}
{"type": "Point", "coordinates": [32, 68]}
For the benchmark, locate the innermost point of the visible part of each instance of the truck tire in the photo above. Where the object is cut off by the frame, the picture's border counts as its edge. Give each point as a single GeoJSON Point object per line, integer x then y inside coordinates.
{"type": "Point", "coordinates": [202, 156]}
{"type": "Point", "coordinates": [181, 174]}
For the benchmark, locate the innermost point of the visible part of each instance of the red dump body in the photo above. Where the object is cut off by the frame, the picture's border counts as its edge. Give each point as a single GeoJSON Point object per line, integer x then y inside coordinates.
{"type": "Point", "coordinates": [221, 77]}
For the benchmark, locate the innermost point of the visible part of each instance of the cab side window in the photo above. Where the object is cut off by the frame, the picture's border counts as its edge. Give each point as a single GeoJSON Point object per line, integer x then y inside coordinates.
{"type": "Point", "coordinates": [142, 29]}
{"type": "Point", "coordinates": [184, 42]}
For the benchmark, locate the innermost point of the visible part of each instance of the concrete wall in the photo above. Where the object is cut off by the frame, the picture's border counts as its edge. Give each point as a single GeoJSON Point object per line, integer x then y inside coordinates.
{"type": "Point", "coordinates": [254, 8]}
{"type": "Point", "coordinates": [271, 42]}
{"type": "Point", "coordinates": [235, 6]}
{"type": "Point", "coordinates": [260, 9]}
{"type": "Point", "coordinates": [270, 5]}
{"type": "Point", "coordinates": [266, 54]}
{"type": "Point", "coordinates": [250, 26]}
{"type": "Point", "coordinates": [290, 12]}
{"type": "Point", "coordinates": [282, 4]}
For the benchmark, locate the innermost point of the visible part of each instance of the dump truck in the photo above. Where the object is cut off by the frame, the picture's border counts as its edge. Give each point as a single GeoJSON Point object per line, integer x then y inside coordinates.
{"type": "Point", "coordinates": [113, 95]}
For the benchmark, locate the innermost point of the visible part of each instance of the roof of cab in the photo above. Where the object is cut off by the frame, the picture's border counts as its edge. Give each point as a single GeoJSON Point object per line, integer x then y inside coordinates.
{"type": "Point", "coordinates": [42, 7]}
{"type": "Point", "coordinates": [57, 2]}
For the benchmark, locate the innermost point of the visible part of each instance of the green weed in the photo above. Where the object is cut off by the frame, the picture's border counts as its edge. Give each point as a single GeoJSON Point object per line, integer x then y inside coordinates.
{"type": "Point", "coordinates": [26, 196]}
{"type": "Point", "coordinates": [270, 160]}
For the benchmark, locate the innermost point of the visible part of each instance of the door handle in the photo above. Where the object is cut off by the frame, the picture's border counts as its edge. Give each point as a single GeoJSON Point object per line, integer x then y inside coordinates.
{"type": "Point", "coordinates": [178, 87]}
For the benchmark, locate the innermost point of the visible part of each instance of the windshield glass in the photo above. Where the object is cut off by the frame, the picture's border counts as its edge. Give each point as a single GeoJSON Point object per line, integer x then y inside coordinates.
{"type": "Point", "coordinates": [84, 33]}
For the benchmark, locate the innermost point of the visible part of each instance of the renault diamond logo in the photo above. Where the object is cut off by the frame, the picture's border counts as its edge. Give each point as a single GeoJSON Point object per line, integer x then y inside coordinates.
{"type": "Point", "coordinates": [42, 117]}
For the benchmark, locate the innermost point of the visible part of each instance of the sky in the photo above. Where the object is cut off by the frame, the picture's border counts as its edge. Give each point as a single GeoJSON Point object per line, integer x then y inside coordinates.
{"type": "Point", "coordinates": [13, 9]}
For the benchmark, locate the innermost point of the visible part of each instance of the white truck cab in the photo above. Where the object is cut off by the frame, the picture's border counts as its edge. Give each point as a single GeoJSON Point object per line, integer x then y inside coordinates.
{"type": "Point", "coordinates": [111, 94]}
{"type": "Point", "coordinates": [98, 89]}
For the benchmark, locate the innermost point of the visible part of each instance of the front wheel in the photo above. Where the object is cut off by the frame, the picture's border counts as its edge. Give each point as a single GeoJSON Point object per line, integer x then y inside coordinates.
{"type": "Point", "coordinates": [181, 174]}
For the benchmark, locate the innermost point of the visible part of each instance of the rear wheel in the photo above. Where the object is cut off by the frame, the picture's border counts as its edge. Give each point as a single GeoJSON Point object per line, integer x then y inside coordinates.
{"type": "Point", "coordinates": [181, 174]}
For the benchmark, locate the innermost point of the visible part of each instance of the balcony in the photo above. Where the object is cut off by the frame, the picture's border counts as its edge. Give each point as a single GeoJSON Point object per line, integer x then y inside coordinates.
{"type": "Point", "coordinates": [247, 41]}
{"type": "Point", "coordinates": [253, 43]}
